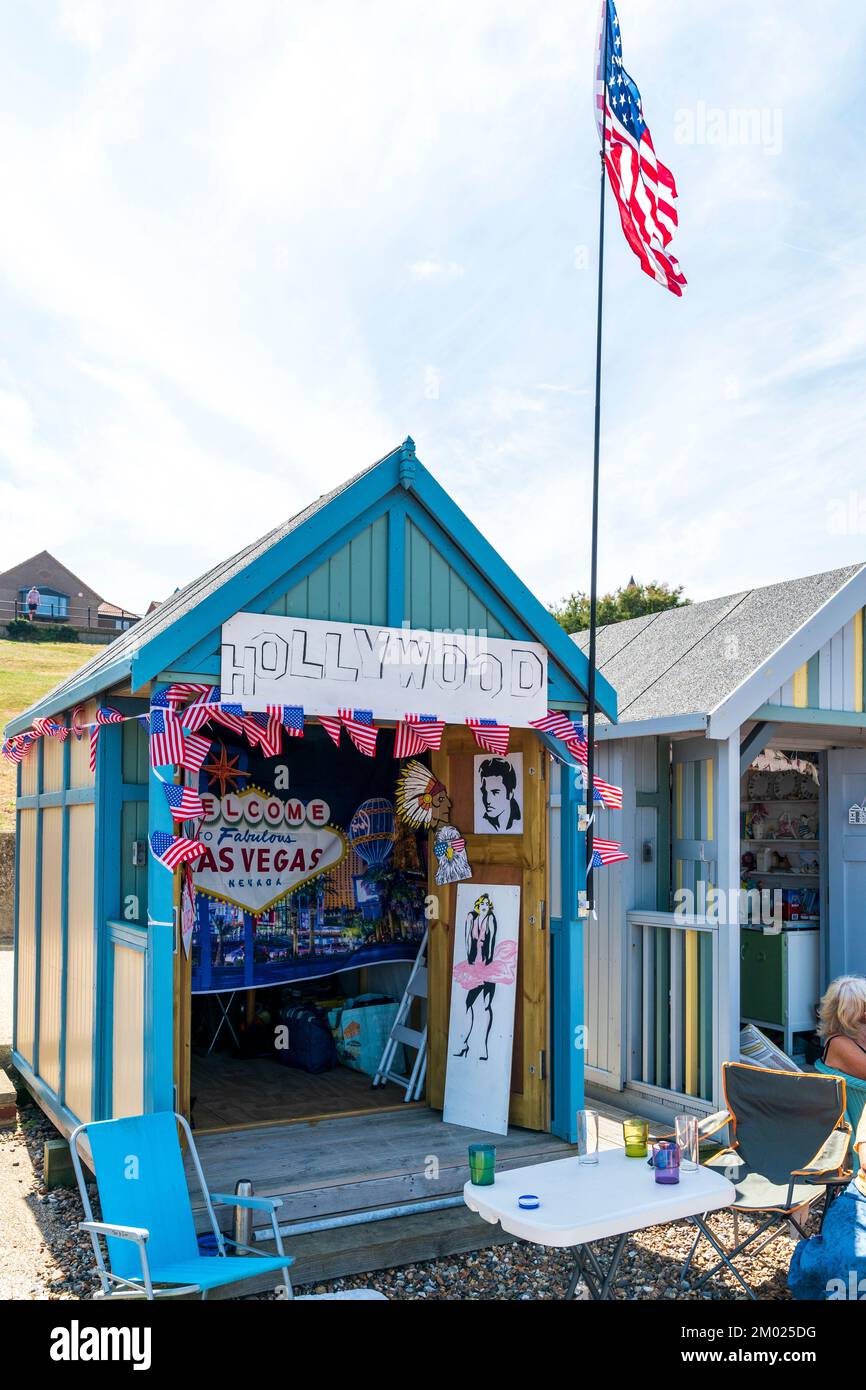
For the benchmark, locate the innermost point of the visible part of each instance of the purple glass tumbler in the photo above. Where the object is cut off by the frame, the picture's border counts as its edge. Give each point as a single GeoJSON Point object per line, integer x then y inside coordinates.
{"type": "Point", "coordinates": [666, 1161]}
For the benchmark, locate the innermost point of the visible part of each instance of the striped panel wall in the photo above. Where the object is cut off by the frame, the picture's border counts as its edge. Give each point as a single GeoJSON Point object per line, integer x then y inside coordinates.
{"type": "Point", "coordinates": [687, 966]}
{"type": "Point", "coordinates": [80, 963]}
{"type": "Point", "coordinates": [26, 956]}
{"type": "Point", "coordinates": [51, 947]}
{"type": "Point", "coordinates": [436, 594]}
{"type": "Point", "coordinates": [127, 1096]}
{"type": "Point", "coordinates": [352, 585]}
{"type": "Point", "coordinates": [832, 679]}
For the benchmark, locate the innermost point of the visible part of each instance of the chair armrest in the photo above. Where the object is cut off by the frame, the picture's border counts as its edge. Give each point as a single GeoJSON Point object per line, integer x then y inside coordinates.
{"type": "Point", "coordinates": [230, 1199]}
{"type": "Point", "coordinates": [830, 1179]}
{"type": "Point", "coordinates": [713, 1123]}
{"type": "Point", "coordinates": [831, 1158]}
{"type": "Point", "coordinates": [106, 1228]}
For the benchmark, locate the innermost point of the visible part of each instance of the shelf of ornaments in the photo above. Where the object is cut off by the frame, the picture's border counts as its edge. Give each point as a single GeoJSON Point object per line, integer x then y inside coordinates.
{"type": "Point", "coordinates": [778, 840]}
{"type": "Point", "coordinates": [778, 873]}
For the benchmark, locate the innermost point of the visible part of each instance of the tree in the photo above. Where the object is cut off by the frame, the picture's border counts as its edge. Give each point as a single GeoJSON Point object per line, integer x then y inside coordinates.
{"type": "Point", "coordinates": [632, 601]}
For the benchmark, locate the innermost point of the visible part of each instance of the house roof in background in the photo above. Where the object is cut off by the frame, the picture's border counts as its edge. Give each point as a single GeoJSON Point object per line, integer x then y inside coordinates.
{"type": "Point", "coordinates": [26, 572]}
{"type": "Point", "coordinates": [694, 660]}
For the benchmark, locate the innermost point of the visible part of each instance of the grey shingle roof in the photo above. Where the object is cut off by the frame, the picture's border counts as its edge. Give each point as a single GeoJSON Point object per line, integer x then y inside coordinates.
{"type": "Point", "coordinates": [687, 660]}
{"type": "Point", "coordinates": [116, 658]}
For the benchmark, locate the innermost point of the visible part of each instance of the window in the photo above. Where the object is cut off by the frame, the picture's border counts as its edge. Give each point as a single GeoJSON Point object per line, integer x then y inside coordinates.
{"type": "Point", "coordinates": [51, 603]}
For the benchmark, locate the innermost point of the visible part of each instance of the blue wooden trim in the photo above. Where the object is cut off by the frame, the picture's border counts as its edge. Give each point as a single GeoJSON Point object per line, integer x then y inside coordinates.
{"type": "Point", "coordinates": [72, 796]}
{"type": "Point", "coordinates": [16, 910]}
{"type": "Point", "coordinates": [793, 714]}
{"type": "Point", "coordinates": [64, 924]}
{"type": "Point", "coordinates": [37, 918]}
{"type": "Point", "coordinates": [133, 791]}
{"type": "Point", "coordinates": [26, 803]}
{"type": "Point", "coordinates": [567, 982]}
{"type": "Point", "coordinates": [127, 934]}
{"type": "Point", "coordinates": [82, 796]}
{"type": "Point", "coordinates": [480, 555]}
{"type": "Point", "coordinates": [106, 903]}
{"type": "Point", "coordinates": [159, 967]}
{"type": "Point", "coordinates": [396, 565]}
{"type": "Point", "coordinates": [45, 1097]}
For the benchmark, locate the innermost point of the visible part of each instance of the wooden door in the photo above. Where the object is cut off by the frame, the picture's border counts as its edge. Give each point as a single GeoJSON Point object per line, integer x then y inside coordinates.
{"type": "Point", "coordinates": [513, 859]}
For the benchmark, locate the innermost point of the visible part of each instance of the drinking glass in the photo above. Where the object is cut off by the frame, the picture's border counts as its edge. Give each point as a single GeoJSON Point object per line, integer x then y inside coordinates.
{"type": "Point", "coordinates": [687, 1138]}
{"type": "Point", "coordinates": [666, 1162]}
{"type": "Point", "coordinates": [635, 1132]}
{"type": "Point", "coordinates": [587, 1136]}
{"type": "Point", "coordinates": [482, 1164]}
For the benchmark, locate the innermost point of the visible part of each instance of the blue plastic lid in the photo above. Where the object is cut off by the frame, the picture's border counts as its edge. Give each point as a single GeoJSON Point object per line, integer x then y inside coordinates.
{"type": "Point", "coordinates": [528, 1201]}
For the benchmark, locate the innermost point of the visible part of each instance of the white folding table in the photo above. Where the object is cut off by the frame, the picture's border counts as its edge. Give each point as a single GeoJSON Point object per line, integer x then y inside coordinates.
{"type": "Point", "coordinates": [584, 1203]}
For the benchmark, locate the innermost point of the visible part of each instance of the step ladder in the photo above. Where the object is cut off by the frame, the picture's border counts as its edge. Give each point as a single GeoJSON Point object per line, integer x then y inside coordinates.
{"type": "Point", "coordinates": [416, 988]}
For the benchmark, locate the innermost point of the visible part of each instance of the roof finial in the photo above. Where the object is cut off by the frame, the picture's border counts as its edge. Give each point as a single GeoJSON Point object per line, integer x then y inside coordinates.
{"type": "Point", "coordinates": [407, 462]}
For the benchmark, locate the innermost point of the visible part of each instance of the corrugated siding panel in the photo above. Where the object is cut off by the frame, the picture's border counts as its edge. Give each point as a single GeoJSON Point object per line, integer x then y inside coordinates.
{"type": "Point", "coordinates": [80, 963]}
{"type": "Point", "coordinates": [437, 596]}
{"type": "Point", "coordinates": [79, 752]}
{"type": "Point", "coordinates": [52, 765]}
{"type": "Point", "coordinates": [603, 938]}
{"type": "Point", "coordinates": [51, 948]}
{"type": "Point", "coordinates": [30, 772]}
{"type": "Point", "coordinates": [127, 1095]}
{"type": "Point", "coordinates": [26, 959]}
{"type": "Point", "coordinates": [554, 854]}
{"type": "Point", "coordinates": [350, 586]}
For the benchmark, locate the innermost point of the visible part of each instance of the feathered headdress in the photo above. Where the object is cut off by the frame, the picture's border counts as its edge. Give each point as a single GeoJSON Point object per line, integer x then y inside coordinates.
{"type": "Point", "coordinates": [418, 793]}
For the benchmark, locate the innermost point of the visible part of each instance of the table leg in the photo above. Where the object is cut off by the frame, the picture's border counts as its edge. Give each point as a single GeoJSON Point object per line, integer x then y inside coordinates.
{"type": "Point", "coordinates": [598, 1280]}
{"type": "Point", "coordinates": [224, 1020]}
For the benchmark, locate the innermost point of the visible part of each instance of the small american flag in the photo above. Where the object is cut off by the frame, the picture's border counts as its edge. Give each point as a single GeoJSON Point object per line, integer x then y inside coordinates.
{"type": "Point", "coordinates": [331, 724]}
{"type": "Point", "coordinates": [361, 730]}
{"type": "Point", "coordinates": [196, 715]}
{"type": "Point", "coordinates": [58, 731]}
{"type": "Point", "coordinates": [171, 852]}
{"type": "Point", "coordinates": [106, 715]}
{"type": "Point", "coordinates": [15, 748]}
{"type": "Point", "coordinates": [94, 744]}
{"type": "Point", "coordinates": [609, 795]}
{"type": "Point", "coordinates": [293, 720]}
{"type": "Point", "coordinates": [41, 727]}
{"type": "Point", "coordinates": [194, 750]}
{"type": "Point", "coordinates": [643, 187]}
{"type": "Point", "coordinates": [489, 735]}
{"type": "Point", "coordinates": [184, 802]}
{"type": "Point", "coordinates": [265, 730]}
{"type": "Point", "coordinates": [555, 722]}
{"type": "Point", "coordinates": [577, 745]}
{"type": "Point", "coordinates": [416, 733]}
{"type": "Point", "coordinates": [75, 722]}
{"type": "Point", "coordinates": [606, 852]}
{"type": "Point", "coordinates": [181, 691]}
{"type": "Point", "coordinates": [166, 738]}
{"type": "Point", "coordinates": [230, 716]}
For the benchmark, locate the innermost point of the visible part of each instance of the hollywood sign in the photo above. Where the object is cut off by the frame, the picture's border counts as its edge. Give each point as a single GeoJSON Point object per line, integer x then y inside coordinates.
{"type": "Point", "coordinates": [328, 666]}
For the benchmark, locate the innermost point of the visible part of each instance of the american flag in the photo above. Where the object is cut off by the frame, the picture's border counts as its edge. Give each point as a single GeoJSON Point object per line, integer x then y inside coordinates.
{"type": "Point", "coordinates": [41, 727]}
{"type": "Point", "coordinates": [181, 691]}
{"type": "Point", "coordinates": [184, 802]}
{"type": "Point", "coordinates": [230, 716]}
{"type": "Point", "coordinates": [416, 733]}
{"type": "Point", "coordinates": [58, 731]}
{"type": "Point", "coordinates": [555, 722]}
{"type": "Point", "coordinates": [194, 750]}
{"type": "Point", "coordinates": [577, 745]}
{"type": "Point", "coordinates": [75, 721]}
{"type": "Point", "coordinates": [644, 188]}
{"type": "Point", "coordinates": [16, 747]}
{"type": "Point", "coordinates": [166, 738]}
{"type": "Point", "coordinates": [144, 721]}
{"type": "Point", "coordinates": [106, 715]}
{"type": "Point", "coordinates": [609, 795]}
{"type": "Point", "coordinates": [265, 730]}
{"type": "Point", "coordinates": [361, 730]}
{"type": "Point", "coordinates": [171, 852]}
{"type": "Point", "coordinates": [293, 720]}
{"type": "Point", "coordinates": [94, 744]}
{"type": "Point", "coordinates": [331, 724]}
{"type": "Point", "coordinates": [196, 715]}
{"type": "Point", "coordinates": [489, 735]}
{"type": "Point", "coordinates": [606, 852]}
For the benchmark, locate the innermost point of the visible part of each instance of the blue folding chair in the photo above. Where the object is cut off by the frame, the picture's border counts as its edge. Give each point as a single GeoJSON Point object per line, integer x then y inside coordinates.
{"type": "Point", "coordinates": [147, 1219]}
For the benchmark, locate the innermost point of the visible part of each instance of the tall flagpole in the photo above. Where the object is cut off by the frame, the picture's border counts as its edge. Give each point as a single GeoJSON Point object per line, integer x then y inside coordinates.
{"type": "Point", "coordinates": [593, 579]}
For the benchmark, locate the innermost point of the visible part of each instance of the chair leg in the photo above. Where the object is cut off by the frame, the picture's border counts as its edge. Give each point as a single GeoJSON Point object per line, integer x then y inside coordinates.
{"type": "Point", "coordinates": [728, 1256]}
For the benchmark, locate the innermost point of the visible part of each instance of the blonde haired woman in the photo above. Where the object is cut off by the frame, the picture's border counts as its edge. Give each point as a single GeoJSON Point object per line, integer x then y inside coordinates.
{"type": "Point", "coordinates": [842, 1026]}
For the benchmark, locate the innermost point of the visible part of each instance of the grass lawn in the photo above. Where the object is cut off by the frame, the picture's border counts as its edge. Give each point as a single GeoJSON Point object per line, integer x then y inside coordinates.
{"type": "Point", "coordinates": [27, 671]}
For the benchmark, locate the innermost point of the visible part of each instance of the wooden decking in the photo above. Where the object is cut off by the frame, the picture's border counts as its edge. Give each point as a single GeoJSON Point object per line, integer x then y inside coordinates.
{"type": "Point", "coordinates": [231, 1092]}
{"type": "Point", "coordinates": [368, 1162]}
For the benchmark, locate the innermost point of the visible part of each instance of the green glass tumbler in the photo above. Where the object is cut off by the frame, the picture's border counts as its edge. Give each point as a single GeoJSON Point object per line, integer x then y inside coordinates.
{"type": "Point", "coordinates": [635, 1132]}
{"type": "Point", "coordinates": [482, 1164]}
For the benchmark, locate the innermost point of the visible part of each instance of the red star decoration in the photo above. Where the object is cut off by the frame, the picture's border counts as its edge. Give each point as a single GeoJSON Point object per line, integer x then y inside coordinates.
{"type": "Point", "coordinates": [224, 770]}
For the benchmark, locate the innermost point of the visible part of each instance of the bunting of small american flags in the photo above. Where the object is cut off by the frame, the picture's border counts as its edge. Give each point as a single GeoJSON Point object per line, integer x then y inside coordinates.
{"type": "Point", "coordinates": [106, 714]}
{"type": "Point", "coordinates": [182, 691]}
{"type": "Point", "coordinates": [416, 733]}
{"type": "Point", "coordinates": [292, 717]}
{"type": "Point", "coordinates": [17, 747]}
{"type": "Point", "coordinates": [166, 738]}
{"type": "Point", "coordinates": [170, 851]}
{"type": "Point", "coordinates": [194, 751]}
{"type": "Point", "coordinates": [489, 735]}
{"type": "Point", "coordinates": [606, 852]}
{"type": "Point", "coordinates": [41, 727]}
{"type": "Point", "coordinates": [58, 731]}
{"type": "Point", "coordinates": [184, 802]}
{"type": "Point", "coordinates": [331, 725]}
{"type": "Point", "coordinates": [361, 730]}
{"type": "Point", "coordinates": [196, 715]}
{"type": "Point", "coordinates": [555, 722]}
{"type": "Point", "coordinates": [230, 716]}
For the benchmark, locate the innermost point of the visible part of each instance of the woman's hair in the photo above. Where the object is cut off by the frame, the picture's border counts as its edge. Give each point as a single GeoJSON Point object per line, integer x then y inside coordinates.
{"type": "Point", "coordinates": [843, 1008]}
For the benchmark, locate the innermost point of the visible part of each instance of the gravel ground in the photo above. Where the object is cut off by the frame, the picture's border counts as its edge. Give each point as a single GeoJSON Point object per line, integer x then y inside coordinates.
{"type": "Point", "coordinates": [43, 1256]}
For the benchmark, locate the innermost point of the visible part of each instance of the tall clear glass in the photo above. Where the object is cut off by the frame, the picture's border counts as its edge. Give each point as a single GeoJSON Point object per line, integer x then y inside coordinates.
{"type": "Point", "coordinates": [587, 1136]}
{"type": "Point", "coordinates": [688, 1140]}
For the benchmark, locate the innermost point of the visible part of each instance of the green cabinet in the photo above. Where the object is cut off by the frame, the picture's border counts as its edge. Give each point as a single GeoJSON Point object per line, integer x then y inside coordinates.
{"type": "Point", "coordinates": [780, 980]}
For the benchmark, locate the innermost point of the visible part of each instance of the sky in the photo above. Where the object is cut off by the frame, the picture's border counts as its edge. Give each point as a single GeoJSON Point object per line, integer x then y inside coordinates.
{"type": "Point", "coordinates": [247, 247]}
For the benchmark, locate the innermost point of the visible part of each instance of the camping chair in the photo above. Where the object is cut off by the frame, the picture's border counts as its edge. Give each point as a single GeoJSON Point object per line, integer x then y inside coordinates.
{"type": "Point", "coordinates": [147, 1215]}
{"type": "Point", "coordinates": [788, 1142]}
